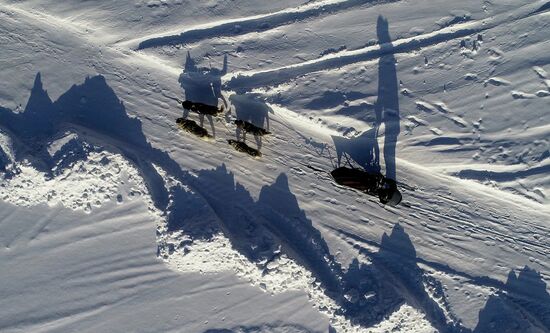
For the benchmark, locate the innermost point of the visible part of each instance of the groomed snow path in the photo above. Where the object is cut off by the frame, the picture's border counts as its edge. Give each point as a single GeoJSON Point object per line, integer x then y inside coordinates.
{"type": "Point", "coordinates": [114, 220]}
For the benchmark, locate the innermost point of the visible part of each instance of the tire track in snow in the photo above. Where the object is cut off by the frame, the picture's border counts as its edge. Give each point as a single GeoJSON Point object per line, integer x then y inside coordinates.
{"type": "Point", "coordinates": [42, 224]}
{"type": "Point", "coordinates": [97, 265]}
{"type": "Point", "coordinates": [495, 229]}
{"type": "Point", "coordinates": [257, 23]}
{"type": "Point", "coordinates": [31, 234]}
{"type": "Point", "coordinates": [244, 81]}
{"type": "Point", "coordinates": [502, 176]}
{"type": "Point", "coordinates": [33, 323]}
{"type": "Point", "coordinates": [104, 301]}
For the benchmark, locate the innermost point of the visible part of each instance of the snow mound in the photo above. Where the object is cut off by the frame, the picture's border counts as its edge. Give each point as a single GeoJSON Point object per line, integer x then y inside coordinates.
{"type": "Point", "coordinates": [82, 183]}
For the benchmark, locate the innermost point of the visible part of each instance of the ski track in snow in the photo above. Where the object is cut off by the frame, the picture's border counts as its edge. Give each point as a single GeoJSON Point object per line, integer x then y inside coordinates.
{"type": "Point", "coordinates": [259, 23]}
{"type": "Point", "coordinates": [247, 80]}
{"type": "Point", "coordinates": [295, 267]}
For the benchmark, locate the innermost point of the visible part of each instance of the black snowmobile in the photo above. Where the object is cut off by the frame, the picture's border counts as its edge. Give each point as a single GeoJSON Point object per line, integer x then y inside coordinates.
{"type": "Point", "coordinates": [202, 108]}
{"type": "Point", "coordinates": [374, 184]}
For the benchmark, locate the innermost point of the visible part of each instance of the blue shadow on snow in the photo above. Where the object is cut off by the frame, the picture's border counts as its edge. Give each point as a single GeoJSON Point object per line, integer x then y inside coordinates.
{"type": "Point", "coordinates": [364, 149]}
{"type": "Point", "coordinates": [261, 230]}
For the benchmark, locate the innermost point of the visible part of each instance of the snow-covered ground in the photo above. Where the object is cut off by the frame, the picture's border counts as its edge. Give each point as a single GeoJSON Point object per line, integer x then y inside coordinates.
{"type": "Point", "coordinates": [114, 220]}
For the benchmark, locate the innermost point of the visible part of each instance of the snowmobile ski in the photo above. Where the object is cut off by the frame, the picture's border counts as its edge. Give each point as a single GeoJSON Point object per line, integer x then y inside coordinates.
{"type": "Point", "coordinates": [192, 127]}
{"type": "Point", "coordinates": [244, 148]}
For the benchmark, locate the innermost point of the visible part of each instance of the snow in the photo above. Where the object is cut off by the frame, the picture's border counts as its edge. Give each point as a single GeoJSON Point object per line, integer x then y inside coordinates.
{"type": "Point", "coordinates": [112, 219]}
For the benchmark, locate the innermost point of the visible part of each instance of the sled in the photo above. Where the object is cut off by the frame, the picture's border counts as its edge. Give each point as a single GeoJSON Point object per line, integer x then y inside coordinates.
{"type": "Point", "coordinates": [374, 184]}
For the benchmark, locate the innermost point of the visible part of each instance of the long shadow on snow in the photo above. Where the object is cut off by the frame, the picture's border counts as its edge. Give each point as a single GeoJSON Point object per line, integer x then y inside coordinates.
{"type": "Point", "coordinates": [250, 107]}
{"type": "Point", "coordinates": [524, 307]}
{"type": "Point", "coordinates": [29, 129]}
{"type": "Point", "coordinates": [202, 85]}
{"type": "Point", "coordinates": [259, 230]}
{"type": "Point", "coordinates": [397, 262]}
{"type": "Point", "coordinates": [91, 109]}
{"type": "Point", "coordinates": [5, 160]}
{"type": "Point", "coordinates": [374, 291]}
{"type": "Point", "coordinates": [364, 149]}
{"type": "Point", "coordinates": [522, 304]}
{"type": "Point", "coordinates": [274, 224]}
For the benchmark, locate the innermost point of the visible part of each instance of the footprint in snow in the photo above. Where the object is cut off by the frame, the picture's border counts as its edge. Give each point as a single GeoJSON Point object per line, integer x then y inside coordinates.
{"type": "Point", "coordinates": [332, 201]}
{"type": "Point", "coordinates": [297, 171]}
{"type": "Point", "coordinates": [540, 72]}
{"type": "Point", "coordinates": [309, 193]}
{"type": "Point", "coordinates": [497, 81]}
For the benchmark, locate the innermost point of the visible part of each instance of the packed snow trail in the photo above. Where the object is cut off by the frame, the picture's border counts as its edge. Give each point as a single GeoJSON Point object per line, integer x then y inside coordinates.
{"type": "Point", "coordinates": [452, 257]}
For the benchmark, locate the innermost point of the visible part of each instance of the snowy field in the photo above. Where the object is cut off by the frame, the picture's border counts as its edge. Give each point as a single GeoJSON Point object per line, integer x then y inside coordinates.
{"type": "Point", "coordinates": [112, 219]}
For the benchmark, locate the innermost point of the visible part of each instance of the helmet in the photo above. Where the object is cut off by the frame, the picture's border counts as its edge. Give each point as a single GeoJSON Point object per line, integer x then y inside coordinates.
{"type": "Point", "coordinates": [388, 193]}
{"type": "Point", "coordinates": [395, 198]}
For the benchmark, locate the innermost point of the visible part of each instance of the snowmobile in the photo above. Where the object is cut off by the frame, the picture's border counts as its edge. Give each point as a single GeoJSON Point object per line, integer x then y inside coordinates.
{"type": "Point", "coordinates": [374, 184]}
{"type": "Point", "coordinates": [202, 108]}
{"type": "Point", "coordinates": [192, 127]}
{"type": "Point", "coordinates": [251, 128]}
{"type": "Point", "coordinates": [244, 148]}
